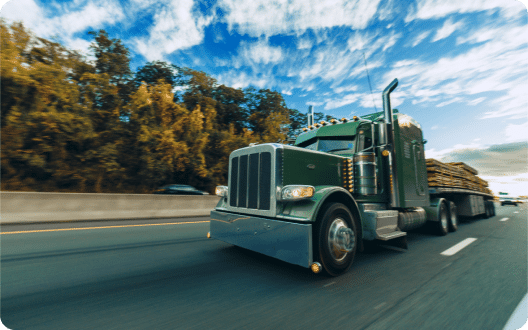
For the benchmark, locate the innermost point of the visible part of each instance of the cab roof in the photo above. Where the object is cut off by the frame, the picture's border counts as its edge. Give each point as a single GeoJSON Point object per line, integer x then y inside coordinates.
{"type": "Point", "coordinates": [339, 129]}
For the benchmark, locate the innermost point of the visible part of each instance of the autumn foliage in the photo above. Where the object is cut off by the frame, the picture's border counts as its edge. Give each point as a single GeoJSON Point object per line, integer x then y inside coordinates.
{"type": "Point", "coordinates": [78, 125]}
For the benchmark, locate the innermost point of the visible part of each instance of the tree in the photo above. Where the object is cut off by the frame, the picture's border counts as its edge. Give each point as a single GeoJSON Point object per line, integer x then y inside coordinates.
{"type": "Point", "coordinates": [230, 108]}
{"type": "Point", "coordinates": [269, 116]}
{"type": "Point", "coordinates": [155, 71]}
{"type": "Point", "coordinates": [298, 120]}
{"type": "Point", "coordinates": [112, 59]}
{"type": "Point", "coordinates": [47, 131]}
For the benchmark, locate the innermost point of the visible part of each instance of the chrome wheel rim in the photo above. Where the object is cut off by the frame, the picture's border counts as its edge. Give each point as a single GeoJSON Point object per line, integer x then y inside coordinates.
{"type": "Point", "coordinates": [341, 239]}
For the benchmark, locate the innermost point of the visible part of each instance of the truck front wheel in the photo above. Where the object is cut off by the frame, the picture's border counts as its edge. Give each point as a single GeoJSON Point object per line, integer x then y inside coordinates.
{"type": "Point", "coordinates": [337, 239]}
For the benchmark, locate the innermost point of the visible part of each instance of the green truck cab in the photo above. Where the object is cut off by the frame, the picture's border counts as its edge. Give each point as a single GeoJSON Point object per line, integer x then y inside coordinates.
{"type": "Point", "coordinates": [342, 183]}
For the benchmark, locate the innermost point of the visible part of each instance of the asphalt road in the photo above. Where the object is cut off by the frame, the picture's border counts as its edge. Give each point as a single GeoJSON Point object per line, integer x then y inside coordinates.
{"type": "Point", "coordinates": [170, 276]}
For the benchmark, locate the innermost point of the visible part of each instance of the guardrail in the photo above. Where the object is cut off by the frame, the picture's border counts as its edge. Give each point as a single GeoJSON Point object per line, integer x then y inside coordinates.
{"type": "Point", "coordinates": [20, 207]}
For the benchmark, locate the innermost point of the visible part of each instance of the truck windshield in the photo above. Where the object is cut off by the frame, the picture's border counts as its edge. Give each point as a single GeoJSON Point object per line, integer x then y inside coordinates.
{"type": "Point", "coordinates": [331, 145]}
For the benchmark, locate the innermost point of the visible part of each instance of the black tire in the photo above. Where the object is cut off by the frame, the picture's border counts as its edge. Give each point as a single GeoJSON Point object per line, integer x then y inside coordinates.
{"type": "Point", "coordinates": [487, 213]}
{"type": "Point", "coordinates": [453, 217]}
{"type": "Point", "coordinates": [335, 239]}
{"type": "Point", "coordinates": [442, 226]}
{"type": "Point", "coordinates": [493, 209]}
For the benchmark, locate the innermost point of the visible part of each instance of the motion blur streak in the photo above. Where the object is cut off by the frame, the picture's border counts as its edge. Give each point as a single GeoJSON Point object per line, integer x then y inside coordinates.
{"type": "Point", "coordinates": [103, 227]}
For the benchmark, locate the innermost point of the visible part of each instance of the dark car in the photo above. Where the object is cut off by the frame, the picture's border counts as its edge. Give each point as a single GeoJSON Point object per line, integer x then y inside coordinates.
{"type": "Point", "coordinates": [179, 189]}
{"type": "Point", "coordinates": [508, 201]}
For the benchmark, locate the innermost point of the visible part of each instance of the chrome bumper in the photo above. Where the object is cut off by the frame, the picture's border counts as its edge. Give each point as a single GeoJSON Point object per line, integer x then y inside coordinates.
{"type": "Point", "coordinates": [287, 241]}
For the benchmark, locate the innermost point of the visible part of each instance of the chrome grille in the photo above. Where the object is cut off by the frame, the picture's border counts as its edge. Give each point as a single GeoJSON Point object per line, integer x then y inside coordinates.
{"type": "Point", "coordinates": [250, 181]}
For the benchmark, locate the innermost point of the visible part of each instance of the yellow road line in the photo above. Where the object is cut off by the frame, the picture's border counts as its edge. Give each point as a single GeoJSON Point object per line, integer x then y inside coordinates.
{"type": "Point", "coordinates": [103, 227]}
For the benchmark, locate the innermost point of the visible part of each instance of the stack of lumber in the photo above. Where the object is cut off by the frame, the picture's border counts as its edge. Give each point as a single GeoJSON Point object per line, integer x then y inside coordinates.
{"type": "Point", "coordinates": [454, 175]}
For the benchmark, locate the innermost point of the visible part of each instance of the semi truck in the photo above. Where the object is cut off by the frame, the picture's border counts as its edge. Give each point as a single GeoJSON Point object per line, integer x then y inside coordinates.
{"type": "Point", "coordinates": [342, 185]}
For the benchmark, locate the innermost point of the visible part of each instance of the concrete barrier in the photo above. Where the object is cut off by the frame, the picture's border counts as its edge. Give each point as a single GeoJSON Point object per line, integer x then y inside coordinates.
{"type": "Point", "coordinates": [20, 207]}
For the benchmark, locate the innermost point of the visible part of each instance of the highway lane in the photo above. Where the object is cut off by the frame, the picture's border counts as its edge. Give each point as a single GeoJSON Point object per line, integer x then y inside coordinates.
{"type": "Point", "coordinates": [172, 277]}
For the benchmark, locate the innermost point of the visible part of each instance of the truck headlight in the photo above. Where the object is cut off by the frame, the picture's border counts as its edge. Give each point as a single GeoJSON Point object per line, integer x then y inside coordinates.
{"type": "Point", "coordinates": [221, 191]}
{"type": "Point", "coordinates": [296, 192]}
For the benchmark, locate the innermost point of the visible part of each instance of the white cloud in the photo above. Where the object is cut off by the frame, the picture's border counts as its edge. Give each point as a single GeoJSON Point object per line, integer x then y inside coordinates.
{"type": "Point", "coordinates": [176, 26]}
{"type": "Point", "coordinates": [330, 63]}
{"type": "Point", "coordinates": [31, 14]}
{"type": "Point", "coordinates": [315, 104]}
{"type": "Point", "coordinates": [262, 17]}
{"type": "Point", "coordinates": [341, 101]}
{"type": "Point", "coordinates": [501, 160]}
{"type": "Point", "coordinates": [439, 154]}
{"type": "Point", "coordinates": [515, 185]}
{"type": "Point", "coordinates": [369, 101]}
{"type": "Point", "coordinates": [348, 88]}
{"type": "Point", "coordinates": [497, 65]}
{"type": "Point", "coordinates": [93, 15]}
{"type": "Point", "coordinates": [419, 38]}
{"type": "Point", "coordinates": [304, 43]}
{"type": "Point", "coordinates": [66, 20]}
{"type": "Point", "coordinates": [428, 9]}
{"type": "Point", "coordinates": [369, 43]}
{"type": "Point", "coordinates": [78, 44]}
{"type": "Point", "coordinates": [517, 132]}
{"type": "Point", "coordinates": [387, 11]}
{"type": "Point", "coordinates": [446, 30]}
{"type": "Point", "coordinates": [260, 52]}
{"type": "Point", "coordinates": [476, 101]}
{"type": "Point", "coordinates": [334, 61]}
{"type": "Point", "coordinates": [514, 104]}
{"type": "Point", "coordinates": [240, 79]}
{"type": "Point", "coordinates": [434, 127]}
{"type": "Point", "coordinates": [453, 100]}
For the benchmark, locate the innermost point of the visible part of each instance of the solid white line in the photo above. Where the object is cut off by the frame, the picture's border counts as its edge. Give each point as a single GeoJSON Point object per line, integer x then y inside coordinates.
{"type": "Point", "coordinates": [454, 249]}
{"type": "Point", "coordinates": [519, 316]}
{"type": "Point", "coordinates": [504, 219]}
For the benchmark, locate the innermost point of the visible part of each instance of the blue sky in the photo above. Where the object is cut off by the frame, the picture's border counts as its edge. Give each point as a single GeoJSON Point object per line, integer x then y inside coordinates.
{"type": "Point", "coordinates": [462, 65]}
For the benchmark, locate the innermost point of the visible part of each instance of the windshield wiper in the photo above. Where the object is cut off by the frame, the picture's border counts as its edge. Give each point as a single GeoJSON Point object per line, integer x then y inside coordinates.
{"type": "Point", "coordinates": [339, 149]}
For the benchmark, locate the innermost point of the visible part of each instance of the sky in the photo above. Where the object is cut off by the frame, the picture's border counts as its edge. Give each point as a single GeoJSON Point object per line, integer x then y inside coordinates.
{"type": "Point", "coordinates": [462, 66]}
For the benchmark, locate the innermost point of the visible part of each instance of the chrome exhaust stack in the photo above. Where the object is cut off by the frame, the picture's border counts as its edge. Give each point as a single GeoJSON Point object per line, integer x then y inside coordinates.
{"type": "Point", "coordinates": [395, 200]}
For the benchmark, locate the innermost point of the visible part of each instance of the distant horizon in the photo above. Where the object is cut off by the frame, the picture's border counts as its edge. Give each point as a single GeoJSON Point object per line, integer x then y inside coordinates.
{"type": "Point", "coordinates": [458, 63]}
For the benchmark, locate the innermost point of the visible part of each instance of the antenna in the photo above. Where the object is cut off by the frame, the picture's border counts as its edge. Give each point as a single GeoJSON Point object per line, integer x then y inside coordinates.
{"type": "Point", "coordinates": [370, 85]}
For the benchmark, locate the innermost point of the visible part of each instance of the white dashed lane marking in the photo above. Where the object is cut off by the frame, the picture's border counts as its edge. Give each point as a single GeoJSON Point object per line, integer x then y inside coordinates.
{"type": "Point", "coordinates": [454, 249]}
{"type": "Point", "coordinates": [504, 219]}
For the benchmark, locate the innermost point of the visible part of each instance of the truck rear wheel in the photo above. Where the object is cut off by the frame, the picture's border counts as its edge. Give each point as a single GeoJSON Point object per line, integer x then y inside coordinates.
{"type": "Point", "coordinates": [337, 239]}
{"type": "Point", "coordinates": [492, 209]}
{"type": "Point", "coordinates": [443, 222]}
{"type": "Point", "coordinates": [487, 209]}
{"type": "Point", "coordinates": [453, 218]}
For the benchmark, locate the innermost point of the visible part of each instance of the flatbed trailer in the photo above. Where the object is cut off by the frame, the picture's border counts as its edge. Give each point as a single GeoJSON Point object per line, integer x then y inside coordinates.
{"type": "Point", "coordinates": [468, 203]}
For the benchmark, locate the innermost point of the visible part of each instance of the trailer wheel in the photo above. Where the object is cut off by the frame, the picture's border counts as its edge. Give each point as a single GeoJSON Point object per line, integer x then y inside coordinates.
{"type": "Point", "coordinates": [443, 222]}
{"type": "Point", "coordinates": [453, 218]}
{"type": "Point", "coordinates": [487, 214]}
{"type": "Point", "coordinates": [337, 239]}
{"type": "Point", "coordinates": [492, 208]}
